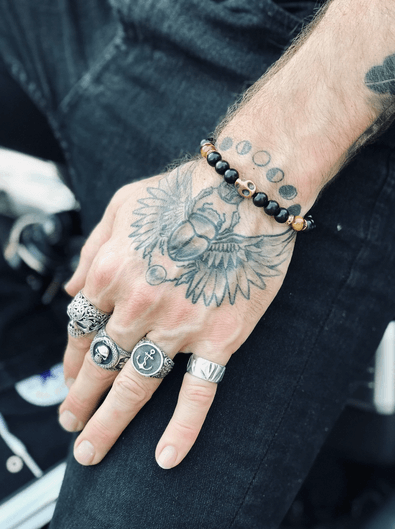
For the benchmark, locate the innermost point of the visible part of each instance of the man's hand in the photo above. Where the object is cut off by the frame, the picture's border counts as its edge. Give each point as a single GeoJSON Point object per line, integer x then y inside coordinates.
{"type": "Point", "coordinates": [184, 260]}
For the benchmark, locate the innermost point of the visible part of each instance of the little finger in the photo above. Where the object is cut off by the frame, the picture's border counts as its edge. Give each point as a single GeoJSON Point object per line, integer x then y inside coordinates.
{"type": "Point", "coordinates": [194, 401]}
{"type": "Point", "coordinates": [84, 395]}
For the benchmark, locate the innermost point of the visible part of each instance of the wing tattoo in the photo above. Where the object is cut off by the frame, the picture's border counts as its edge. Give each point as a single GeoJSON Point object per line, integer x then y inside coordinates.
{"type": "Point", "coordinates": [166, 206]}
{"type": "Point", "coordinates": [232, 264]}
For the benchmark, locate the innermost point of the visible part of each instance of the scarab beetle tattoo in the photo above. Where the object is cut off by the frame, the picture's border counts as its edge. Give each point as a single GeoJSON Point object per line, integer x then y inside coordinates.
{"type": "Point", "coordinates": [198, 235]}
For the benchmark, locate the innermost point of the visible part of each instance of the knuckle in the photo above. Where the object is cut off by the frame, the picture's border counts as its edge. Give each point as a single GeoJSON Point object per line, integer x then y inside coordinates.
{"type": "Point", "coordinates": [101, 432]}
{"type": "Point", "coordinates": [79, 407]}
{"type": "Point", "coordinates": [186, 431]}
{"type": "Point", "coordinates": [95, 373]}
{"type": "Point", "coordinates": [102, 272]}
{"type": "Point", "coordinates": [194, 394]}
{"type": "Point", "coordinates": [130, 392]}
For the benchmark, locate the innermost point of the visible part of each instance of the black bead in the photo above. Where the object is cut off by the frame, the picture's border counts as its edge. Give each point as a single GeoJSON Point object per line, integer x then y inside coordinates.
{"type": "Point", "coordinates": [203, 142]}
{"type": "Point", "coordinates": [260, 200]}
{"type": "Point", "coordinates": [272, 208]}
{"type": "Point", "coordinates": [213, 158]}
{"type": "Point", "coordinates": [282, 216]}
{"type": "Point", "coordinates": [221, 167]}
{"type": "Point", "coordinates": [230, 176]}
{"type": "Point", "coordinates": [310, 223]}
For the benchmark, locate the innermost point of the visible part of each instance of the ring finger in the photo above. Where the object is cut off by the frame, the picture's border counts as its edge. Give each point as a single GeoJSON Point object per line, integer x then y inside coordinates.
{"type": "Point", "coordinates": [129, 392]}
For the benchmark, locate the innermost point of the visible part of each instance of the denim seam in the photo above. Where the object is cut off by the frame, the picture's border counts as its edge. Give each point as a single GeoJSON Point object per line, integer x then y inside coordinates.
{"type": "Point", "coordinates": [342, 288]}
{"type": "Point", "coordinates": [87, 77]}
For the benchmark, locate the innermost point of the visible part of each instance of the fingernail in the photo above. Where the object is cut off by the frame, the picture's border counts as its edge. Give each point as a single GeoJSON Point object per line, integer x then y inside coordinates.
{"type": "Point", "coordinates": [84, 453]}
{"type": "Point", "coordinates": [167, 458]}
{"type": "Point", "coordinates": [70, 422]}
{"type": "Point", "coordinates": [70, 382]}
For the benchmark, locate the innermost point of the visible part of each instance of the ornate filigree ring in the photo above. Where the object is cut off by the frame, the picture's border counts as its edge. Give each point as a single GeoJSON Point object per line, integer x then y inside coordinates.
{"type": "Point", "coordinates": [149, 360]}
{"type": "Point", "coordinates": [106, 353]}
{"type": "Point", "coordinates": [84, 316]}
{"type": "Point", "coordinates": [204, 369]}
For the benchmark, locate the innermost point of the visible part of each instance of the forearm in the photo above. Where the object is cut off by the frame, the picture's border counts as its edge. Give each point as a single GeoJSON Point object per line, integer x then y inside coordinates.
{"type": "Point", "coordinates": [324, 99]}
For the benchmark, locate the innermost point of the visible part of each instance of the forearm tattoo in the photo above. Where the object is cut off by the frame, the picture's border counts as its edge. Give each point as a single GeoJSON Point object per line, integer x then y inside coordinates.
{"type": "Point", "coordinates": [381, 79]}
{"type": "Point", "coordinates": [197, 241]}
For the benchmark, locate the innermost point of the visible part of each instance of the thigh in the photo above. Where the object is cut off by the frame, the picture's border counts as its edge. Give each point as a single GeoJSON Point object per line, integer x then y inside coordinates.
{"type": "Point", "coordinates": [24, 127]}
{"type": "Point", "coordinates": [283, 389]}
{"type": "Point", "coordinates": [155, 90]}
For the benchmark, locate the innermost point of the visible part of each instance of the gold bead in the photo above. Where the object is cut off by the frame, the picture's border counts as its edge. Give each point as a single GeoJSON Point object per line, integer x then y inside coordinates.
{"type": "Point", "coordinates": [298, 224]}
{"type": "Point", "coordinates": [304, 225]}
{"type": "Point", "coordinates": [290, 220]}
{"type": "Point", "coordinates": [206, 149]}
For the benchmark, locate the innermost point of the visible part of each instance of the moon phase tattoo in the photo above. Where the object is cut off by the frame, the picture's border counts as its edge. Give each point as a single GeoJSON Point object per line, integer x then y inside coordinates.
{"type": "Point", "coordinates": [197, 241]}
{"type": "Point", "coordinates": [262, 159]}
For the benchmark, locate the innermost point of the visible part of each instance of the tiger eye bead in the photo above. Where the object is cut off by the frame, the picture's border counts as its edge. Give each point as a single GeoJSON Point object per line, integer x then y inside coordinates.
{"type": "Point", "coordinates": [298, 224]}
{"type": "Point", "coordinates": [206, 149]}
{"type": "Point", "coordinates": [213, 158]}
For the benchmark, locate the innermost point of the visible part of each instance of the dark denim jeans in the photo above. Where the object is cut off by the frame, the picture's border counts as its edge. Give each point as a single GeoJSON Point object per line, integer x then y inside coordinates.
{"type": "Point", "coordinates": [127, 88]}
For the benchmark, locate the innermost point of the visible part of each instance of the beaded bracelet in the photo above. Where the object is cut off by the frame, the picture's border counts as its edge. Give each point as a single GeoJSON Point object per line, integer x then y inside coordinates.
{"type": "Point", "coordinates": [247, 189]}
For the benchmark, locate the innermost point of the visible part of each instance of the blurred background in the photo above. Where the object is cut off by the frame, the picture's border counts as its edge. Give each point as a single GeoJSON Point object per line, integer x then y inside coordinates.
{"type": "Point", "coordinates": [40, 243]}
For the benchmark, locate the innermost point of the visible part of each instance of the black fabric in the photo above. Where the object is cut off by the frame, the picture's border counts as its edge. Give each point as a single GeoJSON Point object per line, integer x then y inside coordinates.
{"type": "Point", "coordinates": [129, 91]}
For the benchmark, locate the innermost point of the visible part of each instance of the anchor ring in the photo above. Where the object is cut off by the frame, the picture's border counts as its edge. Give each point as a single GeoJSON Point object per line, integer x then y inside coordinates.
{"type": "Point", "coordinates": [149, 360]}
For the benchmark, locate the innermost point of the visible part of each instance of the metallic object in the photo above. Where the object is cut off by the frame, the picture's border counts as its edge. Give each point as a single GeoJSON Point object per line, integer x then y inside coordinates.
{"type": "Point", "coordinates": [84, 316]}
{"type": "Point", "coordinates": [106, 353]}
{"type": "Point", "coordinates": [149, 360]}
{"type": "Point", "coordinates": [204, 369]}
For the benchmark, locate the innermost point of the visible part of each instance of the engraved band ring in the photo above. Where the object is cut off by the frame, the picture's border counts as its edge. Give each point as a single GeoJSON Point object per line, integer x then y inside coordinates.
{"type": "Point", "coordinates": [201, 368]}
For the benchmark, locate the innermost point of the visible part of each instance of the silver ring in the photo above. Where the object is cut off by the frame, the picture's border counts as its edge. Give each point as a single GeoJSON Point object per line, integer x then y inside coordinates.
{"type": "Point", "coordinates": [204, 369]}
{"type": "Point", "coordinates": [106, 353]}
{"type": "Point", "coordinates": [84, 316]}
{"type": "Point", "coordinates": [149, 360]}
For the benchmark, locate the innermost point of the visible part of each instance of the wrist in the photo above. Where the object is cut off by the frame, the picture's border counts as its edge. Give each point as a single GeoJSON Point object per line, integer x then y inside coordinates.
{"type": "Point", "coordinates": [275, 166]}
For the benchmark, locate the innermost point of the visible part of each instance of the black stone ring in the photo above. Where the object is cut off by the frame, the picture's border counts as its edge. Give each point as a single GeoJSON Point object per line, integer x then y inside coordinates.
{"type": "Point", "coordinates": [149, 360]}
{"type": "Point", "coordinates": [106, 353]}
